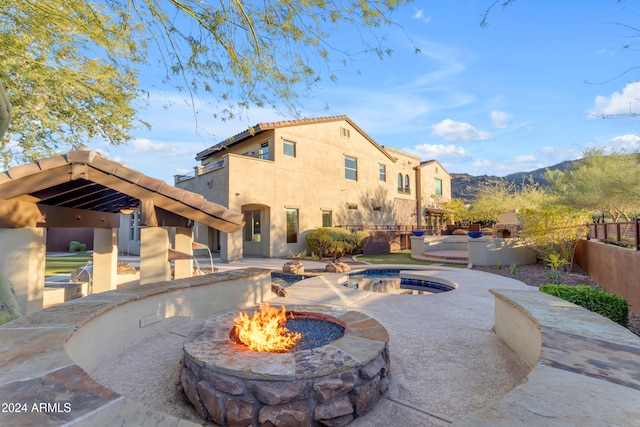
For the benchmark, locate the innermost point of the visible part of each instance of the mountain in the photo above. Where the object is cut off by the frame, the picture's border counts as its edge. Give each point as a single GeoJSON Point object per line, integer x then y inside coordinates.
{"type": "Point", "coordinates": [463, 185]}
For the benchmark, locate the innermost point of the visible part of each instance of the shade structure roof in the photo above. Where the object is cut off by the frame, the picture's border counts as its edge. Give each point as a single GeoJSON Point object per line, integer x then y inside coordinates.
{"type": "Point", "coordinates": [83, 180]}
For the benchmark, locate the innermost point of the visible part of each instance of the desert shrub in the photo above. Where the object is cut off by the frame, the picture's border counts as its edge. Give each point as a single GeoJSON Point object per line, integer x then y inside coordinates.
{"type": "Point", "coordinates": [602, 302]}
{"type": "Point", "coordinates": [335, 242]}
{"type": "Point", "coordinates": [77, 246]}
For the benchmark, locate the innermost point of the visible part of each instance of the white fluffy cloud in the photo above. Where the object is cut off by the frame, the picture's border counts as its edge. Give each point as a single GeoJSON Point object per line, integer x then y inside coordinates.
{"type": "Point", "coordinates": [618, 103]}
{"type": "Point", "coordinates": [459, 131]}
{"type": "Point", "coordinates": [500, 119]}
{"type": "Point", "coordinates": [439, 151]}
{"type": "Point", "coordinates": [627, 142]}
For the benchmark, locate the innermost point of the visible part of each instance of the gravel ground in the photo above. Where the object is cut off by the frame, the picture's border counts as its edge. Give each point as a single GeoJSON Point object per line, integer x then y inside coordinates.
{"type": "Point", "coordinates": [536, 275]}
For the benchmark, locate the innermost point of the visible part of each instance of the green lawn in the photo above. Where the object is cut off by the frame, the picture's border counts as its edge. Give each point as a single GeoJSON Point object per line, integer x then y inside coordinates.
{"type": "Point", "coordinates": [402, 257]}
{"type": "Point", "coordinates": [55, 265]}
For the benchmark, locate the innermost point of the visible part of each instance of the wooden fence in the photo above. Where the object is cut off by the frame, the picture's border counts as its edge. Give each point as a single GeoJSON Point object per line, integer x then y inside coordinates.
{"type": "Point", "coordinates": [619, 233]}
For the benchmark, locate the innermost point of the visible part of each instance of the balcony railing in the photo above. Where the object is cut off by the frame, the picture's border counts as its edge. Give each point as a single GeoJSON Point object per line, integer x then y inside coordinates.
{"type": "Point", "coordinates": [199, 170]}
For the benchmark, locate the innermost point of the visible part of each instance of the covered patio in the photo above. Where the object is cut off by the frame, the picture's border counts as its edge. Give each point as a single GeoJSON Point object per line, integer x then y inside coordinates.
{"type": "Point", "coordinates": [84, 189]}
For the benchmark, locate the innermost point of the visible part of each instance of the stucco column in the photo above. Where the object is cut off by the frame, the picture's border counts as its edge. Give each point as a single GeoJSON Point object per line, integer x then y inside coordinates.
{"type": "Point", "coordinates": [231, 246]}
{"type": "Point", "coordinates": [154, 255]}
{"type": "Point", "coordinates": [105, 259]}
{"type": "Point", "coordinates": [22, 257]}
{"type": "Point", "coordinates": [183, 239]}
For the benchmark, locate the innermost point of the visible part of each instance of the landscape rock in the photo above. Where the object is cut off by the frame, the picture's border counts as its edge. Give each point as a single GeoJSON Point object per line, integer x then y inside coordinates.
{"type": "Point", "coordinates": [338, 267]}
{"type": "Point", "coordinates": [293, 267]}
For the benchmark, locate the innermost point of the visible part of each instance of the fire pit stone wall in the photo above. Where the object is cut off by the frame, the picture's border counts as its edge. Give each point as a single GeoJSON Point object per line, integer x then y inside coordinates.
{"type": "Point", "coordinates": [324, 386]}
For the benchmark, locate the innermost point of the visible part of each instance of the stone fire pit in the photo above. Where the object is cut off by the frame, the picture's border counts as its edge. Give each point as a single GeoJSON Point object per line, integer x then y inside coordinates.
{"type": "Point", "coordinates": [328, 385]}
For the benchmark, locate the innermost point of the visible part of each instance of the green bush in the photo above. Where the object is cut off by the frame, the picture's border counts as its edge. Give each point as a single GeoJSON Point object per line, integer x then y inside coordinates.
{"type": "Point", "coordinates": [602, 302]}
{"type": "Point", "coordinates": [335, 242]}
{"type": "Point", "coordinates": [77, 246]}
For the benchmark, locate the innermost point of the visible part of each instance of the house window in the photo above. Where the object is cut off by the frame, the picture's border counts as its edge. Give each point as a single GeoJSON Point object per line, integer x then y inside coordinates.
{"type": "Point", "coordinates": [400, 187]}
{"type": "Point", "coordinates": [326, 219]}
{"type": "Point", "coordinates": [351, 168]}
{"type": "Point", "coordinates": [252, 226]}
{"type": "Point", "coordinates": [407, 188]}
{"type": "Point", "coordinates": [292, 225]}
{"type": "Point", "coordinates": [288, 148]}
{"type": "Point", "coordinates": [352, 206]}
{"type": "Point", "coordinates": [383, 173]}
{"type": "Point", "coordinates": [344, 132]}
{"type": "Point", "coordinates": [438, 187]}
{"type": "Point", "coordinates": [264, 151]}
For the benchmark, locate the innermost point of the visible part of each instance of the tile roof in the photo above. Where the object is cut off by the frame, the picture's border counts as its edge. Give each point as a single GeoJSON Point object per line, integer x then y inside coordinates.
{"type": "Point", "coordinates": [263, 127]}
{"type": "Point", "coordinates": [83, 179]}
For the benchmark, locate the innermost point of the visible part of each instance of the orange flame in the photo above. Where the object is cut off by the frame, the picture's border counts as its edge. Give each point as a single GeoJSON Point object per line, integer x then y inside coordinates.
{"type": "Point", "coordinates": [265, 330]}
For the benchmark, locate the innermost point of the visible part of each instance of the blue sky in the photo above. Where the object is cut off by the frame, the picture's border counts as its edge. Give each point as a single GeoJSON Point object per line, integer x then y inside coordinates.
{"type": "Point", "coordinates": [528, 91]}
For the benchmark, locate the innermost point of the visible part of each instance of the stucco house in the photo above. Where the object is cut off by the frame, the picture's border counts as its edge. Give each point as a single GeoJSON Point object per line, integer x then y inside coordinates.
{"type": "Point", "coordinates": [291, 177]}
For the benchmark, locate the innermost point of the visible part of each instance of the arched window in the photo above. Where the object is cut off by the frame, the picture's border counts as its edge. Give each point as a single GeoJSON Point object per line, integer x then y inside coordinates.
{"type": "Point", "coordinates": [407, 188]}
{"type": "Point", "coordinates": [400, 188]}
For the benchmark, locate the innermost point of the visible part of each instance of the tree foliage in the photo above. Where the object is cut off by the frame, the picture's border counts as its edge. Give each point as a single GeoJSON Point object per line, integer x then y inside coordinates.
{"type": "Point", "coordinates": [553, 231]}
{"type": "Point", "coordinates": [71, 67]}
{"type": "Point", "coordinates": [494, 199]}
{"type": "Point", "coordinates": [454, 209]}
{"type": "Point", "coordinates": [600, 184]}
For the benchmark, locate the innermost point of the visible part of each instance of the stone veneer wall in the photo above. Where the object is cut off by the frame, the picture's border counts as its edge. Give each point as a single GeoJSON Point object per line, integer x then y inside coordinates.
{"type": "Point", "coordinates": [404, 211]}
{"type": "Point", "coordinates": [513, 229]}
{"type": "Point", "coordinates": [328, 385]}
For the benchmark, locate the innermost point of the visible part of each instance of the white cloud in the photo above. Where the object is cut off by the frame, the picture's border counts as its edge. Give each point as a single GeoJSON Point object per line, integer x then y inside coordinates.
{"type": "Point", "coordinates": [482, 163]}
{"type": "Point", "coordinates": [627, 142]}
{"type": "Point", "coordinates": [618, 103]}
{"type": "Point", "coordinates": [459, 131]}
{"type": "Point", "coordinates": [500, 119]}
{"type": "Point", "coordinates": [147, 146]}
{"type": "Point", "coordinates": [438, 151]}
{"type": "Point", "coordinates": [419, 15]}
{"type": "Point", "coordinates": [528, 158]}
{"type": "Point", "coordinates": [547, 150]}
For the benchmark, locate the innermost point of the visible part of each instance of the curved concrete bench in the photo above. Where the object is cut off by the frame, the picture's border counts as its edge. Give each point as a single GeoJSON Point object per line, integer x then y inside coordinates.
{"type": "Point", "coordinates": [585, 368]}
{"type": "Point", "coordinates": [44, 357]}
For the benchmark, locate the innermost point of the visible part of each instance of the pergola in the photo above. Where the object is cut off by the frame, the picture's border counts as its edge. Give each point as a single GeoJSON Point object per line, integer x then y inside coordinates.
{"type": "Point", "coordinates": [85, 189]}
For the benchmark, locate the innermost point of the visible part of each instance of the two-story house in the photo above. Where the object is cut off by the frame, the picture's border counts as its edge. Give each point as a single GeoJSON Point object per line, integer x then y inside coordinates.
{"type": "Point", "coordinates": [291, 177]}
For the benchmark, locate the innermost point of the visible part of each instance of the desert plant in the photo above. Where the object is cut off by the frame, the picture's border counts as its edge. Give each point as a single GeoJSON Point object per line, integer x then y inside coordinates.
{"type": "Point", "coordinates": [554, 231]}
{"type": "Point", "coordinates": [335, 242]}
{"type": "Point", "coordinates": [512, 267]}
{"type": "Point", "coordinates": [599, 301]}
{"type": "Point", "coordinates": [554, 262]}
{"type": "Point", "coordinates": [77, 246]}
{"type": "Point", "coordinates": [499, 264]}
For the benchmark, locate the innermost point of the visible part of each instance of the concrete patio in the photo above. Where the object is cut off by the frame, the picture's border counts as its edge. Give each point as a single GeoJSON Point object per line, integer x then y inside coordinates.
{"type": "Point", "coordinates": [445, 360]}
{"type": "Point", "coordinates": [448, 366]}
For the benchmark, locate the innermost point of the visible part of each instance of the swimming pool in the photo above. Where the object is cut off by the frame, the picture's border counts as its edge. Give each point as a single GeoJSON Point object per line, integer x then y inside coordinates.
{"type": "Point", "coordinates": [388, 281]}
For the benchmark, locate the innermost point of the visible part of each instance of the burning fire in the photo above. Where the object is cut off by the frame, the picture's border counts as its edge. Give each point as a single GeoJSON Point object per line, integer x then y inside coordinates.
{"type": "Point", "coordinates": [265, 330]}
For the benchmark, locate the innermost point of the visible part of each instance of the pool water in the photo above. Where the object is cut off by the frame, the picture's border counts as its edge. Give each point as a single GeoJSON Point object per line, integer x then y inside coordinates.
{"type": "Point", "coordinates": [388, 281]}
{"type": "Point", "coordinates": [287, 279]}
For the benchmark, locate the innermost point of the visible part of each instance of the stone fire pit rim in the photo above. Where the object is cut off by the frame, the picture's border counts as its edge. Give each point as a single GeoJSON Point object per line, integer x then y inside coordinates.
{"type": "Point", "coordinates": [211, 347]}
